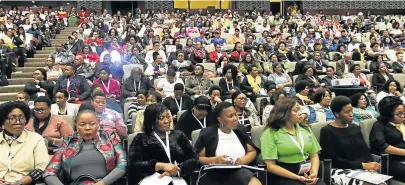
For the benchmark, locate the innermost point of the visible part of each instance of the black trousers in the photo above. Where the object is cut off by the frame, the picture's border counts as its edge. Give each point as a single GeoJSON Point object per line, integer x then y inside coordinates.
{"type": "Point", "coordinates": [294, 168]}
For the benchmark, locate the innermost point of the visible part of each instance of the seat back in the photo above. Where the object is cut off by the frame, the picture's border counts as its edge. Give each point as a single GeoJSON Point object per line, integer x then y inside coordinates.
{"type": "Point", "coordinates": [179, 113]}
{"type": "Point", "coordinates": [209, 67]}
{"type": "Point", "coordinates": [316, 129]}
{"type": "Point", "coordinates": [130, 138]}
{"type": "Point", "coordinates": [370, 78]}
{"type": "Point", "coordinates": [215, 81]}
{"type": "Point", "coordinates": [365, 127]}
{"type": "Point", "coordinates": [69, 119]}
{"type": "Point", "coordinates": [256, 132]}
{"type": "Point", "coordinates": [400, 78]}
{"type": "Point", "coordinates": [194, 136]}
{"type": "Point", "coordinates": [333, 64]}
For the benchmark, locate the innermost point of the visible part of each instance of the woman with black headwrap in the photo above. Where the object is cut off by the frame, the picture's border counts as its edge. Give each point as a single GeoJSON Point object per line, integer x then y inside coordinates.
{"type": "Point", "coordinates": [388, 134]}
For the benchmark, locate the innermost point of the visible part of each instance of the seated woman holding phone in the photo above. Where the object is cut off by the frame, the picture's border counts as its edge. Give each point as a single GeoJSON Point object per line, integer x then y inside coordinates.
{"type": "Point", "coordinates": [226, 142]}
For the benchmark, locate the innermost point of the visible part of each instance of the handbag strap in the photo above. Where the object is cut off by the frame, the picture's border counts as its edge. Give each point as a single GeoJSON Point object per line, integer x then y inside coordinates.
{"type": "Point", "coordinates": [82, 178]}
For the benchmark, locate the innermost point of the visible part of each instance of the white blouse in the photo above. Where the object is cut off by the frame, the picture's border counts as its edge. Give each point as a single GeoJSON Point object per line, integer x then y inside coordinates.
{"type": "Point", "coordinates": [229, 144]}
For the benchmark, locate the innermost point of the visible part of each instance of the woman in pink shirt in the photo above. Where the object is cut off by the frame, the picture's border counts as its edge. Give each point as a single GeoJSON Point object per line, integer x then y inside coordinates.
{"type": "Point", "coordinates": [192, 29]}
{"type": "Point", "coordinates": [110, 86]}
{"type": "Point", "coordinates": [51, 127]}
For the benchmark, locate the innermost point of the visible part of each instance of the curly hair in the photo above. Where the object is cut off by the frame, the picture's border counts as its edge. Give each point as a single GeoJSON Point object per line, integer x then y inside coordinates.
{"type": "Point", "coordinates": [6, 108]}
{"type": "Point", "coordinates": [387, 107]}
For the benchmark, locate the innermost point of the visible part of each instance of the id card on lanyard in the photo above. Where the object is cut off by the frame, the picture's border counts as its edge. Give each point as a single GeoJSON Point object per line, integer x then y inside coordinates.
{"type": "Point", "coordinates": [181, 102]}
{"type": "Point", "coordinates": [108, 86]}
{"type": "Point", "coordinates": [165, 147]}
{"type": "Point", "coordinates": [139, 86]}
{"type": "Point", "coordinates": [227, 84]}
{"type": "Point", "coordinates": [306, 165]}
{"type": "Point", "coordinates": [202, 126]}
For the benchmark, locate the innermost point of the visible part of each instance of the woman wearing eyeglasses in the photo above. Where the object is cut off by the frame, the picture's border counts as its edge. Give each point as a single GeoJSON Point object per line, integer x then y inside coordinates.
{"type": "Point", "coordinates": [50, 126]}
{"type": "Point", "coordinates": [246, 116]}
{"type": "Point", "coordinates": [16, 166]}
{"type": "Point", "coordinates": [388, 134]}
{"type": "Point", "coordinates": [90, 155]}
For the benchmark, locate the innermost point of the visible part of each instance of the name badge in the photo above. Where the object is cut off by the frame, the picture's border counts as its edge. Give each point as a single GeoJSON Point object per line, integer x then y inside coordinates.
{"type": "Point", "coordinates": [262, 91]}
{"type": "Point", "coordinates": [86, 60]}
{"type": "Point", "coordinates": [323, 69]}
{"type": "Point", "coordinates": [305, 167]}
{"type": "Point", "coordinates": [37, 86]}
{"type": "Point", "coordinates": [40, 94]}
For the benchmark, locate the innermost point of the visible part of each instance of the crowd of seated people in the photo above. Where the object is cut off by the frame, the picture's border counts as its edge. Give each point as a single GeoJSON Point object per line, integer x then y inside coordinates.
{"type": "Point", "coordinates": [159, 76]}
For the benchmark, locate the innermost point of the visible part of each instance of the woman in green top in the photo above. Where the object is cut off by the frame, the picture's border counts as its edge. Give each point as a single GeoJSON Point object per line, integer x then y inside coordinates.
{"type": "Point", "coordinates": [289, 149]}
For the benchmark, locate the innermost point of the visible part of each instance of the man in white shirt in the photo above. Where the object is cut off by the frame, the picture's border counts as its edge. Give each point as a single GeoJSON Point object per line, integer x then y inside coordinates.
{"type": "Point", "coordinates": [149, 54]}
{"type": "Point", "coordinates": [165, 86]}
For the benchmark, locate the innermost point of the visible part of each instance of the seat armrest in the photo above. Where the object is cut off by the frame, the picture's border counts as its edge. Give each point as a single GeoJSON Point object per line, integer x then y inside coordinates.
{"type": "Point", "coordinates": [326, 172]}
{"type": "Point", "coordinates": [385, 158]}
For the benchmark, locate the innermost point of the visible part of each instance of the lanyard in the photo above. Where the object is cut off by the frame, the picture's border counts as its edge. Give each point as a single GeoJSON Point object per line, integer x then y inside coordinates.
{"type": "Point", "coordinates": [202, 126]}
{"type": "Point", "coordinates": [300, 147]}
{"type": "Point", "coordinates": [108, 86]}
{"type": "Point", "coordinates": [139, 86]}
{"type": "Point", "coordinates": [67, 87]}
{"type": "Point", "coordinates": [319, 63]}
{"type": "Point", "coordinates": [227, 85]}
{"type": "Point", "coordinates": [243, 119]}
{"type": "Point", "coordinates": [166, 147]}
{"type": "Point", "coordinates": [181, 102]}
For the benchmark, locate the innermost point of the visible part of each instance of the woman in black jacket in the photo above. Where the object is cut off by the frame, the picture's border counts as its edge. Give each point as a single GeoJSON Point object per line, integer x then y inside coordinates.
{"type": "Point", "coordinates": [229, 80]}
{"type": "Point", "coordinates": [380, 77]}
{"type": "Point", "coordinates": [310, 77]}
{"type": "Point", "coordinates": [226, 142]}
{"type": "Point", "coordinates": [149, 154]}
{"type": "Point", "coordinates": [40, 86]}
{"type": "Point", "coordinates": [388, 133]}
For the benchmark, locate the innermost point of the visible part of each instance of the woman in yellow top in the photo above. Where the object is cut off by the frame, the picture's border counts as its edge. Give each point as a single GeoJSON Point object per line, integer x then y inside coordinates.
{"type": "Point", "coordinates": [253, 83]}
{"type": "Point", "coordinates": [23, 154]}
{"type": "Point", "coordinates": [290, 150]}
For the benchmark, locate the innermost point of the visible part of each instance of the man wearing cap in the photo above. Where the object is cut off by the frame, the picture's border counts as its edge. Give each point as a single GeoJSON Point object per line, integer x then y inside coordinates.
{"type": "Point", "coordinates": [62, 56]}
{"type": "Point", "coordinates": [201, 38]}
{"type": "Point", "coordinates": [196, 118]}
{"type": "Point", "coordinates": [217, 39]}
{"type": "Point", "coordinates": [73, 45]}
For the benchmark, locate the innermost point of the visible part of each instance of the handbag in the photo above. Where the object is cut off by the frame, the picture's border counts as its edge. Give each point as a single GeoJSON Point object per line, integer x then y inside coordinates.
{"type": "Point", "coordinates": [84, 180]}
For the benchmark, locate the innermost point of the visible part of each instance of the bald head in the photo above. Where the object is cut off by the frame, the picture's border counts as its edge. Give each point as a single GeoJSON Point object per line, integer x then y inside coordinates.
{"type": "Point", "coordinates": [78, 60]}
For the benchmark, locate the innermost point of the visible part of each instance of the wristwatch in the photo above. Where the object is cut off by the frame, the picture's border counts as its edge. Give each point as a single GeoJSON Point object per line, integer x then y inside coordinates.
{"type": "Point", "coordinates": [53, 142]}
{"type": "Point", "coordinates": [19, 182]}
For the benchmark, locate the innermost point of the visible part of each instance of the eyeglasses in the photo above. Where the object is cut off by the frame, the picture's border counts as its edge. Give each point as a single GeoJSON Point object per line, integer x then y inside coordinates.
{"type": "Point", "coordinates": [13, 120]}
{"type": "Point", "coordinates": [40, 110]}
{"type": "Point", "coordinates": [400, 114]}
{"type": "Point", "coordinates": [242, 99]}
